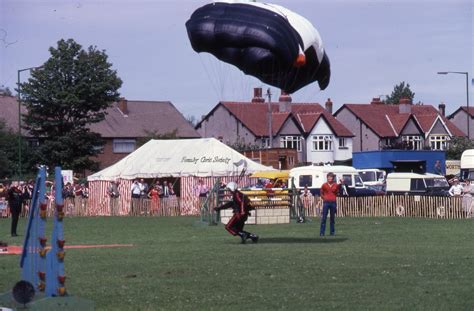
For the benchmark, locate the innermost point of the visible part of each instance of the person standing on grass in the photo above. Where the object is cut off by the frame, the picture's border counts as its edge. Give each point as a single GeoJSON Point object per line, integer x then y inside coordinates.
{"type": "Point", "coordinates": [15, 201]}
{"type": "Point", "coordinates": [329, 191]}
{"type": "Point", "coordinates": [136, 189]}
{"type": "Point", "coordinates": [241, 207]}
{"type": "Point", "coordinates": [456, 189]}
{"type": "Point", "coordinates": [468, 190]}
{"type": "Point", "coordinates": [307, 199]}
{"type": "Point", "coordinates": [154, 195]}
{"type": "Point", "coordinates": [114, 194]}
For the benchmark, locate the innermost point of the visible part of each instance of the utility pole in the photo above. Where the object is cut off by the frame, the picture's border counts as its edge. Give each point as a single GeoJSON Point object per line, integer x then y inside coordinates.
{"type": "Point", "coordinates": [468, 134]}
{"type": "Point", "coordinates": [19, 118]}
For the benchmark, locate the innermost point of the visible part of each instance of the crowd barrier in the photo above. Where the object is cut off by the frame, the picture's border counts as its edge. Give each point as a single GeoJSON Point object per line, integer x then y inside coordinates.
{"type": "Point", "coordinates": [396, 206]}
{"type": "Point", "coordinates": [376, 206]}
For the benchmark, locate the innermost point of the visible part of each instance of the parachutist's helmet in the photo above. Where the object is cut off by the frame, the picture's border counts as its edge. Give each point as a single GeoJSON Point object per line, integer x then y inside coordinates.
{"type": "Point", "coordinates": [232, 186]}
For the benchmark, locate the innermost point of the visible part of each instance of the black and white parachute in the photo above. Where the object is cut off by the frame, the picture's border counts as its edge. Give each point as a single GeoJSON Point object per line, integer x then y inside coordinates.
{"type": "Point", "coordinates": [267, 41]}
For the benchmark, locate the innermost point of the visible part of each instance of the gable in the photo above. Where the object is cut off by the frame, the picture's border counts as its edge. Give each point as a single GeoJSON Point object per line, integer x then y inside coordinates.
{"type": "Point", "coordinates": [411, 128]}
{"type": "Point", "coordinates": [321, 127]}
{"type": "Point", "coordinates": [439, 128]}
{"type": "Point", "coordinates": [289, 128]}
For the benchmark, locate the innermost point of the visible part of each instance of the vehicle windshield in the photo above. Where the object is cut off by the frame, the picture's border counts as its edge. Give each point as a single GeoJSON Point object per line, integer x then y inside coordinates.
{"type": "Point", "coordinates": [367, 176]}
{"type": "Point", "coordinates": [358, 181]}
{"type": "Point", "coordinates": [436, 183]}
{"type": "Point", "coordinates": [380, 176]}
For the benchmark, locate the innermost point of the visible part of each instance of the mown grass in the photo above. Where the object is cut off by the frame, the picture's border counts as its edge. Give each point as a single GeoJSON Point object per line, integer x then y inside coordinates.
{"type": "Point", "coordinates": [372, 264]}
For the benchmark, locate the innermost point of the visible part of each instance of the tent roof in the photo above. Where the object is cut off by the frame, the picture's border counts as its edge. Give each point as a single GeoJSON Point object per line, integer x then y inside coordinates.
{"type": "Point", "coordinates": [177, 158]}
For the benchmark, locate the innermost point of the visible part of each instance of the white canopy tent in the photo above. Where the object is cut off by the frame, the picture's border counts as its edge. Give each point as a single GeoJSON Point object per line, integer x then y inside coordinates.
{"type": "Point", "coordinates": [190, 160]}
{"type": "Point", "coordinates": [202, 157]}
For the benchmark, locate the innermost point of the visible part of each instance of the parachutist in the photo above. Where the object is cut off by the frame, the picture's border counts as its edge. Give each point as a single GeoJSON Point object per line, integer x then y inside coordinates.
{"type": "Point", "coordinates": [241, 207]}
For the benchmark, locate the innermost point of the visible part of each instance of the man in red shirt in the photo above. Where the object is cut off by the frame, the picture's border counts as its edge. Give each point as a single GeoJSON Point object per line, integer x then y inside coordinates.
{"type": "Point", "coordinates": [329, 192]}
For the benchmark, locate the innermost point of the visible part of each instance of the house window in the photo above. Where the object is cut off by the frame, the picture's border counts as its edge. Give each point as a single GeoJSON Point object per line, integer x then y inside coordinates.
{"type": "Point", "coordinates": [322, 142]}
{"type": "Point", "coordinates": [265, 142]}
{"type": "Point", "coordinates": [342, 143]}
{"type": "Point", "coordinates": [415, 142]}
{"type": "Point", "coordinates": [292, 142]}
{"type": "Point", "coordinates": [439, 142]}
{"type": "Point", "coordinates": [123, 145]}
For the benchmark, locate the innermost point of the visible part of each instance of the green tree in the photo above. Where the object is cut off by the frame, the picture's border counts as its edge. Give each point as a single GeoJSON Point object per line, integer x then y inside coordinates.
{"type": "Point", "coordinates": [5, 91]}
{"type": "Point", "coordinates": [240, 145]}
{"type": "Point", "coordinates": [456, 147]}
{"type": "Point", "coordinates": [400, 91]}
{"type": "Point", "coordinates": [155, 135]}
{"type": "Point", "coordinates": [9, 153]}
{"type": "Point", "coordinates": [70, 92]}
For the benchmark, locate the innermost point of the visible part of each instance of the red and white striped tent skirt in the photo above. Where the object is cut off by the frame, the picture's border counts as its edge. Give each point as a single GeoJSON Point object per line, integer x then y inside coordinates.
{"type": "Point", "coordinates": [99, 201]}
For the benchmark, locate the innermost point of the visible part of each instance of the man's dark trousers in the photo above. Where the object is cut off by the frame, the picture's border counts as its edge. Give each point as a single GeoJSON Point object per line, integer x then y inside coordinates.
{"type": "Point", "coordinates": [15, 211]}
{"type": "Point", "coordinates": [328, 206]}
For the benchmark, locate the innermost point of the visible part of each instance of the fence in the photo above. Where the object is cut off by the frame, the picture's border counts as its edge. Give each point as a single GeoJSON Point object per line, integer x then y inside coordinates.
{"type": "Point", "coordinates": [377, 206]}
{"type": "Point", "coordinates": [396, 206]}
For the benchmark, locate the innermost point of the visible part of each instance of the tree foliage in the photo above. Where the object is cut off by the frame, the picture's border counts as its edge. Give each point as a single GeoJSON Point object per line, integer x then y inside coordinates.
{"type": "Point", "coordinates": [457, 146]}
{"type": "Point", "coordinates": [155, 135]}
{"type": "Point", "coordinates": [9, 153]}
{"type": "Point", "coordinates": [5, 91]}
{"type": "Point", "coordinates": [240, 145]}
{"type": "Point", "coordinates": [400, 91]}
{"type": "Point", "coordinates": [70, 92]}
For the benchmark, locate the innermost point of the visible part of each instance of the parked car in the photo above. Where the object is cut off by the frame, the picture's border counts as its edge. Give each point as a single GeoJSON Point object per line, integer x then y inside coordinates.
{"type": "Point", "coordinates": [314, 176]}
{"type": "Point", "coordinates": [417, 184]}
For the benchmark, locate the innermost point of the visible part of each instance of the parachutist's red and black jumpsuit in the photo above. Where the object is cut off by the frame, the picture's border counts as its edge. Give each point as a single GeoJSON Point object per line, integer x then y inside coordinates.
{"type": "Point", "coordinates": [241, 207]}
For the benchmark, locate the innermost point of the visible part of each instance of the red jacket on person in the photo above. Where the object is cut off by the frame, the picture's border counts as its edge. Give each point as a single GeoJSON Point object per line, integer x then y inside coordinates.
{"type": "Point", "coordinates": [329, 192]}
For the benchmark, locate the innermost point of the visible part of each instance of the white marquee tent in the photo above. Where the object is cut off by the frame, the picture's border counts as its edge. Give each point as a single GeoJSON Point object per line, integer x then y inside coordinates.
{"type": "Point", "coordinates": [202, 157]}
{"type": "Point", "coordinates": [189, 159]}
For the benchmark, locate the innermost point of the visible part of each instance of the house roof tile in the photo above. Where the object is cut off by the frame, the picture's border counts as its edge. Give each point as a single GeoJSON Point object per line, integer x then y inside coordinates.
{"type": "Point", "coordinates": [143, 116]}
{"type": "Point", "coordinates": [383, 119]}
{"type": "Point", "coordinates": [254, 117]}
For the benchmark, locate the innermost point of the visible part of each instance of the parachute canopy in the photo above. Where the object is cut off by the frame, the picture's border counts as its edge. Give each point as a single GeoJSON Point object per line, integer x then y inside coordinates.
{"type": "Point", "coordinates": [267, 41]}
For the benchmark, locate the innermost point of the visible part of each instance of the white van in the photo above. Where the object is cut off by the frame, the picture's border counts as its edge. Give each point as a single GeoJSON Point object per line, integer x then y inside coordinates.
{"type": "Point", "coordinates": [372, 176]}
{"type": "Point", "coordinates": [467, 164]}
{"type": "Point", "coordinates": [314, 176]}
{"type": "Point", "coordinates": [417, 184]}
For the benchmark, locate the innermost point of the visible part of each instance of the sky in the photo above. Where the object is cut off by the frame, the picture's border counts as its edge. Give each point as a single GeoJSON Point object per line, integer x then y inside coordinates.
{"type": "Point", "coordinates": [372, 45]}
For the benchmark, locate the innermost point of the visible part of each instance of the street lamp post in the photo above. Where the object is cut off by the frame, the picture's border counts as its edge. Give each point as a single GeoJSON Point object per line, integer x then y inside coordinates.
{"type": "Point", "coordinates": [19, 118]}
{"type": "Point", "coordinates": [270, 131]}
{"type": "Point", "coordinates": [467, 95]}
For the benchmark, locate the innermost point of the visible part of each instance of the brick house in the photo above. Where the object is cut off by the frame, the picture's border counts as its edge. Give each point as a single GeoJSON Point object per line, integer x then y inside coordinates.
{"type": "Point", "coordinates": [129, 120]}
{"type": "Point", "coordinates": [126, 122]}
{"type": "Point", "coordinates": [307, 127]}
{"type": "Point", "coordinates": [378, 126]}
{"type": "Point", "coordinates": [461, 117]}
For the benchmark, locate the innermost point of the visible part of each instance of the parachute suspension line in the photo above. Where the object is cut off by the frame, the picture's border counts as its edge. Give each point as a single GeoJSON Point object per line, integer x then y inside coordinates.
{"type": "Point", "coordinates": [208, 75]}
{"type": "Point", "coordinates": [213, 66]}
{"type": "Point", "coordinates": [294, 80]}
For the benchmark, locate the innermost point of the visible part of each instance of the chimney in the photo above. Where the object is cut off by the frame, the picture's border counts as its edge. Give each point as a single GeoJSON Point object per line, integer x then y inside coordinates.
{"type": "Point", "coordinates": [404, 105]}
{"type": "Point", "coordinates": [329, 105]}
{"type": "Point", "coordinates": [284, 102]}
{"type": "Point", "coordinates": [442, 109]}
{"type": "Point", "coordinates": [122, 105]}
{"type": "Point", "coordinates": [257, 95]}
{"type": "Point", "coordinates": [376, 101]}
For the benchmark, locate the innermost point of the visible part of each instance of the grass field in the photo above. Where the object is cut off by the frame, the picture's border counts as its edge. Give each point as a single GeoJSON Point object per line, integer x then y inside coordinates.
{"type": "Point", "coordinates": [372, 264]}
